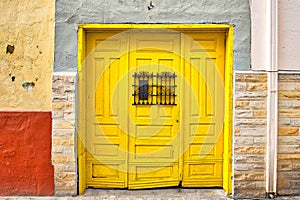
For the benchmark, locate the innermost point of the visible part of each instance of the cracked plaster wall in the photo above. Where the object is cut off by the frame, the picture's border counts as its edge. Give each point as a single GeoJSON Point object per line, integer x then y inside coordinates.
{"type": "Point", "coordinates": [26, 51]}
{"type": "Point", "coordinates": [70, 13]}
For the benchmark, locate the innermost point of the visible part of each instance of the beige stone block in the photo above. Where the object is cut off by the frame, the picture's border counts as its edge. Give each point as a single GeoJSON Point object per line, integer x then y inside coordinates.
{"type": "Point", "coordinates": [56, 141]}
{"type": "Point", "coordinates": [260, 113]}
{"type": "Point", "coordinates": [249, 167]}
{"type": "Point", "coordinates": [282, 149]}
{"type": "Point", "coordinates": [289, 157]}
{"type": "Point", "coordinates": [289, 95]}
{"type": "Point", "coordinates": [258, 105]}
{"type": "Point", "coordinates": [259, 141]}
{"type": "Point", "coordinates": [254, 158]}
{"type": "Point", "coordinates": [257, 86]}
{"type": "Point", "coordinates": [250, 122]}
{"type": "Point", "coordinates": [63, 124]}
{"type": "Point", "coordinates": [65, 177]}
{"type": "Point", "coordinates": [242, 104]}
{"type": "Point", "coordinates": [57, 114]}
{"type": "Point", "coordinates": [57, 106]}
{"type": "Point", "coordinates": [249, 149]}
{"type": "Point", "coordinates": [69, 89]}
{"type": "Point", "coordinates": [251, 95]}
{"type": "Point", "coordinates": [240, 86]}
{"type": "Point", "coordinates": [285, 104]}
{"type": "Point", "coordinates": [284, 121]}
{"type": "Point", "coordinates": [288, 140]}
{"type": "Point", "coordinates": [251, 194]}
{"type": "Point", "coordinates": [292, 113]}
{"type": "Point", "coordinates": [237, 131]}
{"type": "Point", "coordinates": [249, 176]}
{"type": "Point", "coordinates": [256, 132]}
{"type": "Point", "coordinates": [286, 86]}
{"type": "Point", "coordinates": [285, 166]}
{"type": "Point", "coordinates": [251, 77]}
{"type": "Point", "coordinates": [288, 77]}
{"type": "Point", "coordinates": [63, 133]}
{"type": "Point", "coordinates": [243, 113]}
{"type": "Point", "coordinates": [245, 184]}
{"type": "Point", "coordinates": [57, 149]}
{"type": "Point", "coordinates": [292, 131]}
{"type": "Point", "coordinates": [59, 97]}
{"type": "Point", "coordinates": [60, 159]}
{"type": "Point", "coordinates": [243, 141]}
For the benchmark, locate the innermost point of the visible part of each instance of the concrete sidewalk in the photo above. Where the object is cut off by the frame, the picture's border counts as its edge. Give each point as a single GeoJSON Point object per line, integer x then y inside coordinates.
{"type": "Point", "coordinates": [150, 194]}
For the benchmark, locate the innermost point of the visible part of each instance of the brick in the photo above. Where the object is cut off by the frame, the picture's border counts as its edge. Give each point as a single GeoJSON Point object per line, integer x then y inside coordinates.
{"type": "Point", "coordinates": [242, 104]}
{"type": "Point", "coordinates": [289, 95]}
{"type": "Point", "coordinates": [257, 86]}
{"type": "Point", "coordinates": [295, 104]}
{"type": "Point", "coordinates": [249, 150]}
{"type": "Point", "coordinates": [251, 77]}
{"type": "Point", "coordinates": [295, 122]}
{"type": "Point", "coordinates": [292, 131]}
{"type": "Point", "coordinates": [260, 113]}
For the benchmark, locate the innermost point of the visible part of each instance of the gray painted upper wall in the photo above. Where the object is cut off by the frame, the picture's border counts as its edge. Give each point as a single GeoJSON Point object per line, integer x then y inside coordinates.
{"type": "Point", "coordinates": [70, 13]}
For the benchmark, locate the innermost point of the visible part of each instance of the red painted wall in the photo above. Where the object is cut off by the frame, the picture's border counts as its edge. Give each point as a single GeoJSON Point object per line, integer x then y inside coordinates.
{"type": "Point", "coordinates": [25, 154]}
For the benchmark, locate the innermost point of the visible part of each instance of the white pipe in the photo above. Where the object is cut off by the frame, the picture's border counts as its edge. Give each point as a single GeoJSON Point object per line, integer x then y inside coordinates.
{"type": "Point", "coordinates": [272, 109]}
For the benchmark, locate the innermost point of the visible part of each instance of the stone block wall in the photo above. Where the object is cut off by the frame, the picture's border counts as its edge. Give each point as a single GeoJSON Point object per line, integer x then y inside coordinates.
{"type": "Point", "coordinates": [64, 134]}
{"type": "Point", "coordinates": [250, 134]}
{"type": "Point", "coordinates": [289, 138]}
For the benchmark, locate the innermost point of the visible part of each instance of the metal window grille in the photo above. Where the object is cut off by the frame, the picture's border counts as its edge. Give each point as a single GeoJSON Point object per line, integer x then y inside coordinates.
{"type": "Point", "coordinates": [154, 89]}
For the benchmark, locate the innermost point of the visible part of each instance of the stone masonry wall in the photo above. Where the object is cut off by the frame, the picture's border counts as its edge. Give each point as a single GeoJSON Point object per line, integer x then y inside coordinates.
{"type": "Point", "coordinates": [63, 133]}
{"type": "Point", "coordinates": [250, 134]}
{"type": "Point", "coordinates": [289, 138]}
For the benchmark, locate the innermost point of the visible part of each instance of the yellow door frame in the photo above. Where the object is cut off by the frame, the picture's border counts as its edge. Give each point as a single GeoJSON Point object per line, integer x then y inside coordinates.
{"type": "Point", "coordinates": [228, 31]}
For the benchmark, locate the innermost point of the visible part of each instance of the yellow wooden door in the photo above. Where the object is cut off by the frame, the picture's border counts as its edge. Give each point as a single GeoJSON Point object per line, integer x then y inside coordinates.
{"type": "Point", "coordinates": [154, 129]}
{"type": "Point", "coordinates": [203, 109]}
{"type": "Point", "coordinates": [106, 125]}
{"type": "Point", "coordinates": [145, 146]}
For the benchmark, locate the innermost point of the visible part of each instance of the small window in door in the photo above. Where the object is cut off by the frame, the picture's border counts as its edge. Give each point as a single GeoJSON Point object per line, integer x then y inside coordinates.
{"type": "Point", "coordinates": [154, 89]}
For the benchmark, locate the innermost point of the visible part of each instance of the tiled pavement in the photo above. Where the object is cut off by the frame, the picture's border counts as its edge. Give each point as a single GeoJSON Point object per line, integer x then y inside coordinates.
{"type": "Point", "coordinates": [151, 194]}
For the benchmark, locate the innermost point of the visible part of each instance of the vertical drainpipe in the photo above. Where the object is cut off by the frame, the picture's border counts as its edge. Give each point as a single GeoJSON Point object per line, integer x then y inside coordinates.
{"type": "Point", "coordinates": [272, 104]}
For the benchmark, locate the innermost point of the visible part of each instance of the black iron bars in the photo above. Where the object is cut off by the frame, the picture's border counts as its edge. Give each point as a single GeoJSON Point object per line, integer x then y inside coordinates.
{"type": "Point", "coordinates": [152, 89]}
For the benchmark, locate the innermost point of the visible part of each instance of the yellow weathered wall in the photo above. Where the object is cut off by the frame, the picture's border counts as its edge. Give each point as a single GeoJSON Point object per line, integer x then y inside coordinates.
{"type": "Point", "coordinates": [28, 25]}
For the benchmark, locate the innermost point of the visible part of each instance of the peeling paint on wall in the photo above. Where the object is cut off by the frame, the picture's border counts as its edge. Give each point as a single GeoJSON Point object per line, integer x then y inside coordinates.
{"type": "Point", "coordinates": [71, 13]}
{"type": "Point", "coordinates": [27, 52]}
